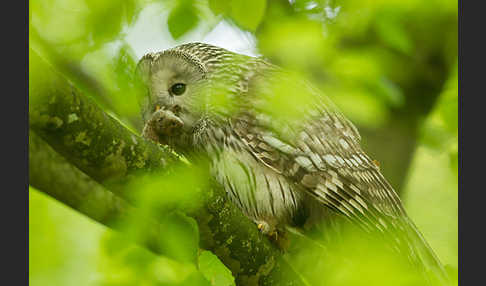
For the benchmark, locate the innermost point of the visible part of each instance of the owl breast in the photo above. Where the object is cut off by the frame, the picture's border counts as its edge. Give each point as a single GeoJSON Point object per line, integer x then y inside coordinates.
{"type": "Point", "coordinates": [263, 195]}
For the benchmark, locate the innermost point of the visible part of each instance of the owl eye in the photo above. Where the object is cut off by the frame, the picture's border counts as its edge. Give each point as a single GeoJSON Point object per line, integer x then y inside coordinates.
{"type": "Point", "coordinates": [177, 89]}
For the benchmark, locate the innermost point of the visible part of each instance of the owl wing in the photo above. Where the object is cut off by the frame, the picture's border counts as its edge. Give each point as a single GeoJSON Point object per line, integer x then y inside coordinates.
{"type": "Point", "coordinates": [324, 158]}
{"type": "Point", "coordinates": [318, 148]}
{"type": "Point", "coordinates": [326, 161]}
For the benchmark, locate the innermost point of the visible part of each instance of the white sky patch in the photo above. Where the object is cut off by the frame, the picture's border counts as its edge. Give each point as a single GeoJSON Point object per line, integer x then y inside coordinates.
{"type": "Point", "coordinates": [150, 34]}
{"type": "Point", "coordinates": [232, 38]}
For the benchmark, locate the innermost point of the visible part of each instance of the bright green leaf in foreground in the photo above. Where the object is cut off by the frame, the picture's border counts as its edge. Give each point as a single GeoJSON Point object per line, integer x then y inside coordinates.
{"type": "Point", "coordinates": [214, 270]}
{"type": "Point", "coordinates": [183, 18]}
{"type": "Point", "coordinates": [61, 242]}
{"type": "Point", "coordinates": [248, 13]}
{"type": "Point", "coordinates": [220, 6]}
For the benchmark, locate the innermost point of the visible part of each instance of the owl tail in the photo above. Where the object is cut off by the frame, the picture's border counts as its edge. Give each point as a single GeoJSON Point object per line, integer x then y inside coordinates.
{"type": "Point", "coordinates": [423, 254]}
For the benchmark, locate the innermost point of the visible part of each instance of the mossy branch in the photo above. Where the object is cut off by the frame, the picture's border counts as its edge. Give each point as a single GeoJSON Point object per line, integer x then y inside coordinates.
{"type": "Point", "coordinates": [51, 173]}
{"type": "Point", "coordinates": [102, 148]}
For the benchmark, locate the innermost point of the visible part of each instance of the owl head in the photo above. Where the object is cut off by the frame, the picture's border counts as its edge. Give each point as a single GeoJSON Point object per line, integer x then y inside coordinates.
{"type": "Point", "coordinates": [172, 79]}
{"type": "Point", "coordinates": [186, 85]}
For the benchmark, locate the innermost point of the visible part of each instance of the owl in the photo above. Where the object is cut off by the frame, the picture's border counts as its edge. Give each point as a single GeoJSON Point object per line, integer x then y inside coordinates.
{"type": "Point", "coordinates": [285, 155]}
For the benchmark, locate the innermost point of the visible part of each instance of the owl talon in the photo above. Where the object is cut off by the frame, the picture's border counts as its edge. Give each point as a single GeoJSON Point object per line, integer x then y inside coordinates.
{"type": "Point", "coordinates": [265, 227]}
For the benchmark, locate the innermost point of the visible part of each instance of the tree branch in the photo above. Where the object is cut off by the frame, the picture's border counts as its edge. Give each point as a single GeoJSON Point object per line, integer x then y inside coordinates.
{"type": "Point", "coordinates": [52, 174]}
{"type": "Point", "coordinates": [74, 188]}
{"type": "Point", "coordinates": [102, 148]}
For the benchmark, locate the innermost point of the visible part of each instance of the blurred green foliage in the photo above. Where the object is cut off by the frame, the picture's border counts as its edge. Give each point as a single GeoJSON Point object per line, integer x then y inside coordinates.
{"type": "Point", "coordinates": [168, 197]}
{"type": "Point", "coordinates": [381, 62]}
{"type": "Point", "coordinates": [238, 10]}
{"type": "Point", "coordinates": [182, 18]}
{"type": "Point", "coordinates": [62, 244]}
{"type": "Point", "coordinates": [356, 260]}
{"type": "Point", "coordinates": [214, 270]}
{"type": "Point", "coordinates": [432, 186]}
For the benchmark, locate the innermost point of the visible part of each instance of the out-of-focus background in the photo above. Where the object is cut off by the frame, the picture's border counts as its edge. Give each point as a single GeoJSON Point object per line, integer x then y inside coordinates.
{"type": "Point", "coordinates": [390, 66]}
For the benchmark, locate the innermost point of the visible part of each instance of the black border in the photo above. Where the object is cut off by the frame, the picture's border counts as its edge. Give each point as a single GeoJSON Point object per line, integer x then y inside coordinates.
{"type": "Point", "coordinates": [14, 122]}
{"type": "Point", "coordinates": [472, 205]}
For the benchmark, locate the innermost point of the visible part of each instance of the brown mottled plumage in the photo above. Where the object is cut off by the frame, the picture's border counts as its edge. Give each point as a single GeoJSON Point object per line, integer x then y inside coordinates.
{"type": "Point", "coordinates": [272, 165]}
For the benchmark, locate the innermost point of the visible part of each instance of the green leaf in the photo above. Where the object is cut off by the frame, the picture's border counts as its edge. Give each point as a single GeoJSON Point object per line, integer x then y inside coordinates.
{"type": "Point", "coordinates": [389, 28]}
{"type": "Point", "coordinates": [183, 18]}
{"type": "Point", "coordinates": [220, 6]}
{"type": "Point", "coordinates": [248, 13]}
{"type": "Point", "coordinates": [390, 92]}
{"type": "Point", "coordinates": [195, 279]}
{"type": "Point", "coordinates": [214, 270]}
{"type": "Point", "coordinates": [124, 66]}
{"type": "Point", "coordinates": [181, 238]}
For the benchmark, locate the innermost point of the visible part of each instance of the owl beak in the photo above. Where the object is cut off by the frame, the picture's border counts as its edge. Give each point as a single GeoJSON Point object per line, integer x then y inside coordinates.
{"type": "Point", "coordinates": [162, 125]}
{"type": "Point", "coordinates": [166, 123]}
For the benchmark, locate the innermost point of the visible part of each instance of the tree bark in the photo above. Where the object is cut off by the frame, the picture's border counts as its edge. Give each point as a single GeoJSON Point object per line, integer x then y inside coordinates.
{"type": "Point", "coordinates": [101, 147]}
{"type": "Point", "coordinates": [51, 173]}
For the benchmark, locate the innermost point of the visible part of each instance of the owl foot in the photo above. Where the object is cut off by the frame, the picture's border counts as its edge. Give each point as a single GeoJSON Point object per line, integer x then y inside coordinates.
{"type": "Point", "coordinates": [276, 236]}
{"type": "Point", "coordinates": [264, 227]}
